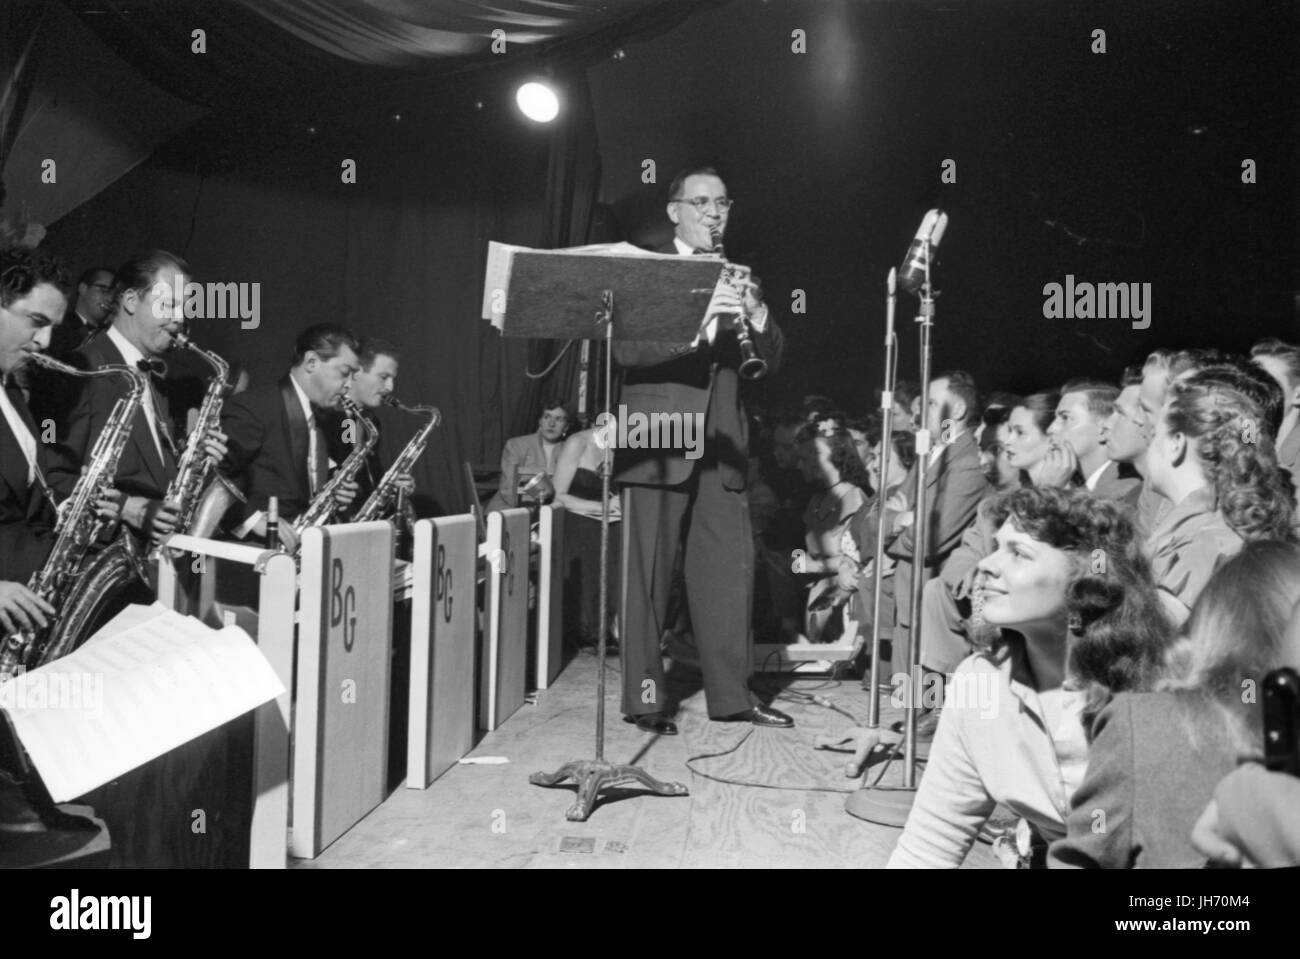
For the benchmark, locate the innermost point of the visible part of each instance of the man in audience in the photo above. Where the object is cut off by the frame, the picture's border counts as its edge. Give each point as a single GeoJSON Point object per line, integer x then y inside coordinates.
{"type": "Point", "coordinates": [1282, 362]}
{"type": "Point", "coordinates": [1127, 438]}
{"type": "Point", "coordinates": [1082, 417]}
{"type": "Point", "coordinates": [528, 462]}
{"type": "Point", "coordinates": [955, 486]}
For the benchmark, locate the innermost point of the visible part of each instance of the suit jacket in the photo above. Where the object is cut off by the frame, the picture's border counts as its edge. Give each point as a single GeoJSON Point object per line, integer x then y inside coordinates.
{"type": "Point", "coordinates": [520, 455]}
{"type": "Point", "coordinates": [26, 515]}
{"type": "Point", "coordinates": [141, 470]}
{"type": "Point", "coordinates": [701, 381]}
{"type": "Point", "coordinates": [1115, 483]}
{"type": "Point", "coordinates": [954, 487]}
{"type": "Point", "coordinates": [267, 444]}
{"type": "Point", "coordinates": [1153, 764]}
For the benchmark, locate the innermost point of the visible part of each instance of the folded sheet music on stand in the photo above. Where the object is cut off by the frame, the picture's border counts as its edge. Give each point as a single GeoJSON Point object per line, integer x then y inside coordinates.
{"type": "Point", "coordinates": [149, 681]}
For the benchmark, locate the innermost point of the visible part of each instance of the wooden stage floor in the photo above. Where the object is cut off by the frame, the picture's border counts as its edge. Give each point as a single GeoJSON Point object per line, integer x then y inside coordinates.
{"type": "Point", "coordinates": [489, 816]}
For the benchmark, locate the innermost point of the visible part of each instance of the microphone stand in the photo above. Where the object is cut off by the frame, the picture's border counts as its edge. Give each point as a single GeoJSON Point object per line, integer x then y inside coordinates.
{"type": "Point", "coordinates": [886, 449]}
{"type": "Point", "coordinates": [890, 805]}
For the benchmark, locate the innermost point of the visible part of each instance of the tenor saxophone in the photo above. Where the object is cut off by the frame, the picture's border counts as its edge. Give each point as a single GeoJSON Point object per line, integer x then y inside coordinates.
{"type": "Point", "coordinates": [79, 524]}
{"type": "Point", "coordinates": [378, 504]}
{"type": "Point", "coordinates": [322, 507]}
{"type": "Point", "coordinates": [195, 467]}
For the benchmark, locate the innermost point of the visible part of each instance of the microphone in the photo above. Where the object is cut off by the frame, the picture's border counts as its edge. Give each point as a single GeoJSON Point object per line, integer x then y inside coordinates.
{"type": "Point", "coordinates": [912, 275]}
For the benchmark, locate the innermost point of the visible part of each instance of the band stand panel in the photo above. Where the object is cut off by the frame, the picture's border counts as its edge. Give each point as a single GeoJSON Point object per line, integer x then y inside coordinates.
{"type": "Point", "coordinates": [505, 598]}
{"type": "Point", "coordinates": [441, 726]}
{"type": "Point", "coordinates": [272, 628]}
{"type": "Point", "coordinates": [659, 298]}
{"type": "Point", "coordinates": [550, 594]}
{"type": "Point", "coordinates": [340, 763]}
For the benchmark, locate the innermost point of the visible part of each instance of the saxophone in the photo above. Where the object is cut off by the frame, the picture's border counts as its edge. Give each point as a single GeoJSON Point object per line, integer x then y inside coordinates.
{"type": "Point", "coordinates": [322, 508]}
{"type": "Point", "coordinates": [381, 500]}
{"type": "Point", "coordinates": [78, 526]}
{"type": "Point", "coordinates": [195, 467]}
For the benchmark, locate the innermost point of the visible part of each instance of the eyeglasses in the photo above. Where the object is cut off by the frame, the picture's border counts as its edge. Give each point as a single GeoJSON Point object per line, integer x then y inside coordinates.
{"type": "Point", "coordinates": [722, 204]}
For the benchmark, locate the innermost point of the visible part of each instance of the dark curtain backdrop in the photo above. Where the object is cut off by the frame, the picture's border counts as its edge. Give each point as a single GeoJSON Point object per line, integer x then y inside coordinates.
{"type": "Point", "coordinates": [400, 254]}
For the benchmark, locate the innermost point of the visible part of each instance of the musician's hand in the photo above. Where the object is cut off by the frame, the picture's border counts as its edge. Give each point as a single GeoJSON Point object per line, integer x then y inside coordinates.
{"type": "Point", "coordinates": [214, 443]}
{"type": "Point", "coordinates": [162, 520]}
{"type": "Point", "coordinates": [346, 492]}
{"type": "Point", "coordinates": [1058, 466]}
{"type": "Point", "coordinates": [20, 608]}
{"type": "Point", "coordinates": [846, 578]}
{"type": "Point", "coordinates": [109, 506]}
{"type": "Point", "coordinates": [285, 531]}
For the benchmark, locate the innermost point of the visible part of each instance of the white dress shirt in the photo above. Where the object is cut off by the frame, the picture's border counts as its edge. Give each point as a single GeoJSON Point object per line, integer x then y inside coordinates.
{"type": "Point", "coordinates": [132, 357]}
{"type": "Point", "coordinates": [26, 441]}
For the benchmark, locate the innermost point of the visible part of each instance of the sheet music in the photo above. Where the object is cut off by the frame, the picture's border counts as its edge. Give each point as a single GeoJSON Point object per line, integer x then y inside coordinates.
{"type": "Point", "coordinates": [496, 279]}
{"type": "Point", "coordinates": [149, 681]}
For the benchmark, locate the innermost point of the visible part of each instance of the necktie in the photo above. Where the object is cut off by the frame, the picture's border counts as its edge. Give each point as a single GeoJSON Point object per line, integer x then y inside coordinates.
{"type": "Point", "coordinates": [162, 435]}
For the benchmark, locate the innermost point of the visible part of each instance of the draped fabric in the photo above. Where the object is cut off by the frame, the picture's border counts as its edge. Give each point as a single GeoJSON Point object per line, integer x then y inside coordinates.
{"type": "Point", "coordinates": [73, 116]}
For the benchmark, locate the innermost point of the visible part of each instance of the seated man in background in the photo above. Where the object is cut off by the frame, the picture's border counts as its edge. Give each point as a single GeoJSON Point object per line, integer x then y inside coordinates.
{"type": "Point", "coordinates": [525, 458]}
{"type": "Point", "coordinates": [1082, 417]}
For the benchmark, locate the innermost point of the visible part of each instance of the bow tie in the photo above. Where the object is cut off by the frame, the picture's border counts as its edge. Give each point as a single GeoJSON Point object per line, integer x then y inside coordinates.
{"type": "Point", "coordinates": [154, 367]}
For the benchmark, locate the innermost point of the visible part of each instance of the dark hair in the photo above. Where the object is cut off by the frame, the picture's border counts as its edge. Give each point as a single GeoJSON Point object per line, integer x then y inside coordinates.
{"type": "Point", "coordinates": [906, 391]}
{"type": "Point", "coordinates": [1042, 407]}
{"type": "Point", "coordinates": [816, 407]}
{"type": "Point", "coordinates": [994, 416]}
{"type": "Point", "coordinates": [1000, 399]}
{"type": "Point", "coordinates": [138, 272]}
{"type": "Point", "coordinates": [962, 384]}
{"type": "Point", "coordinates": [1132, 376]}
{"type": "Point", "coordinates": [22, 269]}
{"type": "Point", "coordinates": [844, 454]}
{"type": "Point", "coordinates": [554, 401]}
{"type": "Point", "coordinates": [678, 181]}
{"type": "Point", "coordinates": [902, 440]}
{"type": "Point", "coordinates": [1286, 352]}
{"type": "Point", "coordinates": [88, 276]}
{"type": "Point", "coordinates": [323, 339]}
{"type": "Point", "coordinates": [1121, 631]}
{"type": "Point", "coordinates": [371, 348]}
{"type": "Point", "coordinates": [1224, 425]}
{"type": "Point", "coordinates": [1098, 396]}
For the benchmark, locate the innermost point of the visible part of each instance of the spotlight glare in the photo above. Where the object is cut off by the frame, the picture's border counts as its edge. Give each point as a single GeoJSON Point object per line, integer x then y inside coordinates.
{"type": "Point", "coordinates": [538, 102]}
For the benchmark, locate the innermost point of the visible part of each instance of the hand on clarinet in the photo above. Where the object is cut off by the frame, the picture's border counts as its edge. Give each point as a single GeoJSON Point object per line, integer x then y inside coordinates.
{"type": "Point", "coordinates": [346, 492]}
{"type": "Point", "coordinates": [21, 609]}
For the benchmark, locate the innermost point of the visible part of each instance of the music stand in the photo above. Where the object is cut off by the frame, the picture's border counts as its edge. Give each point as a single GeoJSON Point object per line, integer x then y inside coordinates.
{"type": "Point", "coordinates": [557, 295]}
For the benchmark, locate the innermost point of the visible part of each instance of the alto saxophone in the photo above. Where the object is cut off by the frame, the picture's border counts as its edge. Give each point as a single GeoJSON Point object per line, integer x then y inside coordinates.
{"type": "Point", "coordinates": [380, 501]}
{"type": "Point", "coordinates": [79, 524]}
{"type": "Point", "coordinates": [196, 467]}
{"type": "Point", "coordinates": [322, 507]}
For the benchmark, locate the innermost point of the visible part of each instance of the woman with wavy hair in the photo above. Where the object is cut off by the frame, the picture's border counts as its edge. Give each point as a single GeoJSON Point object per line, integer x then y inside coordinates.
{"type": "Point", "coordinates": [1073, 617]}
{"type": "Point", "coordinates": [1212, 457]}
{"type": "Point", "coordinates": [1156, 757]}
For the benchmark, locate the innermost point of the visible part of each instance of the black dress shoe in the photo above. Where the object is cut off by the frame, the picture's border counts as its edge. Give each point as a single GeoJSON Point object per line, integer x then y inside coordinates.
{"type": "Point", "coordinates": [760, 715]}
{"type": "Point", "coordinates": [653, 723]}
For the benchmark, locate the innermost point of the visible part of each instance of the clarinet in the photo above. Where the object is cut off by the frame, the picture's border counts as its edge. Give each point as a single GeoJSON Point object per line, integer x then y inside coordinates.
{"type": "Point", "coordinates": [752, 366]}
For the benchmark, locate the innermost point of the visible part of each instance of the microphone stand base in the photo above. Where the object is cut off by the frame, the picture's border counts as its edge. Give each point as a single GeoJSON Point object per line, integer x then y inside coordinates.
{"type": "Point", "coordinates": [882, 805]}
{"type": "Point", "coordinates": [592, 776]}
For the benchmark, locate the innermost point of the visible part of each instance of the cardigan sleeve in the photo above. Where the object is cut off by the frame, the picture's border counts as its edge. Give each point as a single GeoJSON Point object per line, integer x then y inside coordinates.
{"type": "Point", "coordinates": [1100, 830]}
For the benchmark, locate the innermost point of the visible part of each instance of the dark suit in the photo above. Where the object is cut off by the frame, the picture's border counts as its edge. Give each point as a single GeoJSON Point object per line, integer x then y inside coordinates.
{"type": "Point", "coordinates": [141, 471]}
{"type": "Point", "coordinates": [954, 487]}
{"type": "Point", "coordinates": [267, 445]}
{"type": "Point", "coordinates": [343, 437]}
{"type": "Point", "coordinates": [669, 500]}
{"type": "Point", "coordinates": [26, 514]}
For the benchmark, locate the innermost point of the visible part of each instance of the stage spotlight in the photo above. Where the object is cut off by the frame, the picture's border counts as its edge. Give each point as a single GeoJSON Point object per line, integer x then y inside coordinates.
{"type": "Point", "coordinates": [538, 102]}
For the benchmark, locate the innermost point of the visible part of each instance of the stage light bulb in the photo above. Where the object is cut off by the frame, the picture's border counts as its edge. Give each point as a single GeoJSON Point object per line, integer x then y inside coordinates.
{"type": "Point", "coordinates": [538, 102]}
